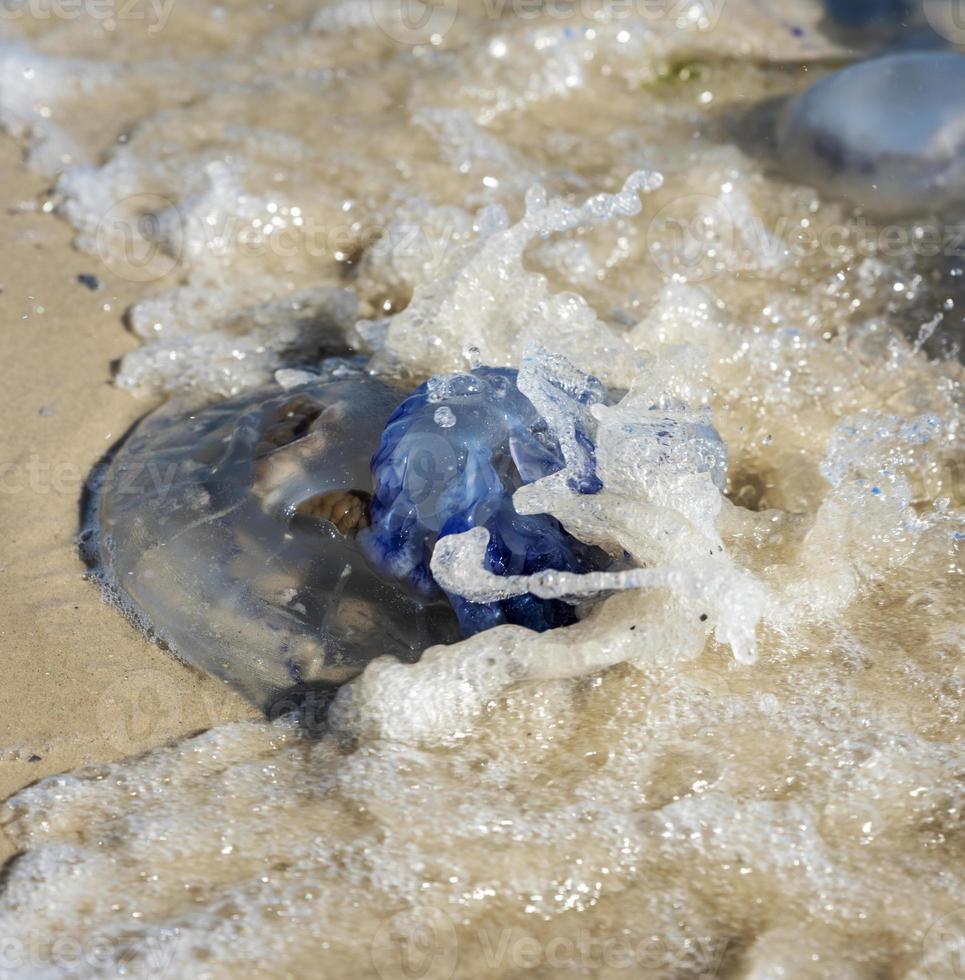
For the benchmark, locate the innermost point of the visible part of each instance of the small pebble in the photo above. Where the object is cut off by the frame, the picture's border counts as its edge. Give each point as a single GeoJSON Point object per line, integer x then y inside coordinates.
{"type": "Point", "coordinates": [89, 280]}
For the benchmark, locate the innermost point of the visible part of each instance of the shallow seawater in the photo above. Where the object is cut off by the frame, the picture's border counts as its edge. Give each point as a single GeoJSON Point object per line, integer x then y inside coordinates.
{"type": "Point", "coordinates": [746, 760]}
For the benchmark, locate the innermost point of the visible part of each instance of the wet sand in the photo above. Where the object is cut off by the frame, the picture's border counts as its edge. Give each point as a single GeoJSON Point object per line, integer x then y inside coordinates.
{"type": "Point", "coordinates": [79, 683]}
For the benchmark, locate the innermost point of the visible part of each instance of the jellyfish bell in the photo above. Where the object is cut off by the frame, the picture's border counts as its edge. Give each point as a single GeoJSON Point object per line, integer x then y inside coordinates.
{"type": "Point", "coordinates": [281, 539]}
{"type": "Point", "coordinates": [228, 533]}
{"type": "Point", "coordinates": [887, 134]}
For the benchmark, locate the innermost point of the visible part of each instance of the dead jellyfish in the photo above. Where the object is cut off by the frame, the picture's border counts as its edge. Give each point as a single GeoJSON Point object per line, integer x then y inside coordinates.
{"type": "Point", "coordinates": [451, 458]}
{"type": "Point", "coordinates": [892, 22]}
{"type": "Point", "coordinates": [239, 533]}
{"type": "Point", "coordinates": [862, 13]}
{"type": "Point", "coordinates": [898, 23]}
{"type": "Point", "coordinates": [886, 134]}
{"type": "Point", "coordinates": [229, 534]}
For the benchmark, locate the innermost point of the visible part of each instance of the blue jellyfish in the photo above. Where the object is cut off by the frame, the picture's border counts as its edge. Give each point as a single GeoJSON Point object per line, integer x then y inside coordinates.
{"type": "Point", "coordinates": [451, 457]}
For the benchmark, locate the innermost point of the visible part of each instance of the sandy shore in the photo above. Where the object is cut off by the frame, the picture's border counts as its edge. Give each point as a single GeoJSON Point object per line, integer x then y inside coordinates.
{"type": "Point", "coordinates": [79, 683]}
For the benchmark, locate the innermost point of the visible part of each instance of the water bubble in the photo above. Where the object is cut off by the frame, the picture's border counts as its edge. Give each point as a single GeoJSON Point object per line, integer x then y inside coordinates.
{"type": "Point", "coordinates": [444, 417]}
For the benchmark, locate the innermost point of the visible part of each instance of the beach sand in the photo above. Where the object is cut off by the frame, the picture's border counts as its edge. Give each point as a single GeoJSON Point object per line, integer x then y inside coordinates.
{"type": "Point", "coordinates": [79, 683]}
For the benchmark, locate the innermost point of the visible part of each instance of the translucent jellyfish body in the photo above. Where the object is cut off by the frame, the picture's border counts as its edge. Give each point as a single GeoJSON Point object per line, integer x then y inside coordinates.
{"type": "Point", "coordinates": [904, 24]}
{"type": "Point", "coordinates": [451, 457]}
{"type": "Point", "coordinates": [229, 533]}
{"type": "Point", "coordinates": [861, 13]}
{"type": "Point", "coordinates": [887, 134]}
{"type": "Point", "coordinates": [285, 538]}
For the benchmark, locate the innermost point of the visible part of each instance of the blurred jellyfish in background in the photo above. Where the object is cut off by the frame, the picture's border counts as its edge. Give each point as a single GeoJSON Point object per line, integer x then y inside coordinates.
{"type": "Point", "coordinates": [897, 23]}
{"type": "Point", "coordinates": [887, 134]}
